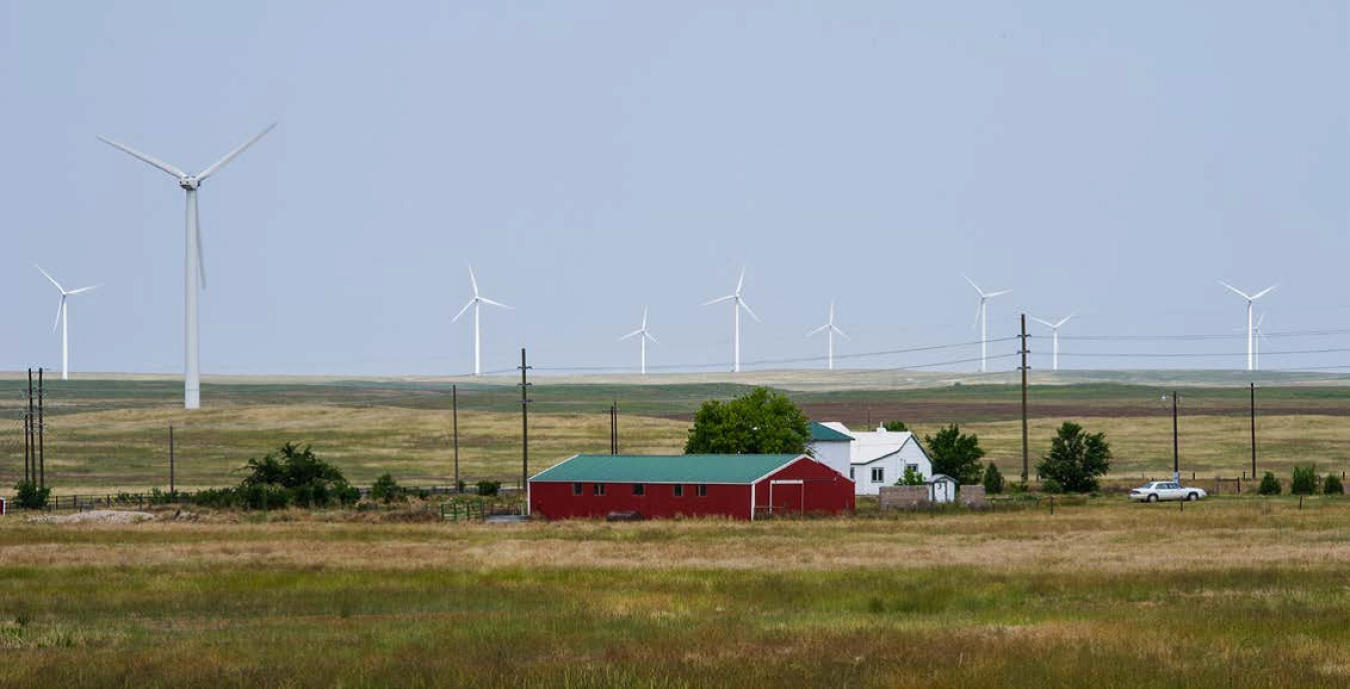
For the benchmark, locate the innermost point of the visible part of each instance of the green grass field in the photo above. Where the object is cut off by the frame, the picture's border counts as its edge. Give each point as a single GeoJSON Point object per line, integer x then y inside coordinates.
{"type": "Point", "coordinates": [1234, 592]}
{"type": "Point", "coordinates": [112, 434]}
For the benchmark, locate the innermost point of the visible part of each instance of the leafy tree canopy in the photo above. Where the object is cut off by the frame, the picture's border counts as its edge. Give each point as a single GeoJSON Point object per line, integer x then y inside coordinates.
{"type": "Point", "coordinates": [956, 454]}
{"type": "Point", "coordinates": [895, 426]}
{"type": "Point", "coordinates": [759, 422]}
{"type": "Point", "coordinates": [1076, 458]}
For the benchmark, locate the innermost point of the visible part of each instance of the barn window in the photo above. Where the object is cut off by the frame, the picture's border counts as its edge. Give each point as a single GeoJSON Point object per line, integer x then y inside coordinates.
{"type": "Point", "coordinates": [878, 475]}
{"type": "Point", "coordinates": [679, 490]}
{"type": "Point", "coordinates": [639, 489]}
{"type": "Point", "coordinates": [599, 488]}
{"type": "Point", "coordinates": [576, 489]}
{"type": "Point", "coordinates": [701, 490]}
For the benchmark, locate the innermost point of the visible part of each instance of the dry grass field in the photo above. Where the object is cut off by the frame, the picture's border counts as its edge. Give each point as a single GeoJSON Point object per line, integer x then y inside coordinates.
{"type": "Point", "coordinates": [1236, 592]}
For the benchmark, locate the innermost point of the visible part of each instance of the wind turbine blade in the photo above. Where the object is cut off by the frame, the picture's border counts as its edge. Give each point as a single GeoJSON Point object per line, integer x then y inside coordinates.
{"type": "Point", "coordinates": [719, 300]}
{"type": "Point", "coordinates": [145, 158]}
{"type": "Point", "coordinates": [740, 281]}
{"type": "Point", "coordinates": [1000, 293]}
{"type": "Point", "coordinates": [839, 332]}
{"type": "Point", "coordinates": [83, 289]}
{"type": "Point", "coordinates": [748, 310]}
{"type": "Point", "coordinates": [49, 277]}
{"type": "Point", "coordinates": [650, 336]}
{"type": "Point", "coordinates": [635, 333]}
{"type": "Point", "coordinates": [1065, 320]}
{"type": "Point", "coordinates": [978, 309]}
{"type": "Point", "coordinates": [234, 154]}
{"type": "Point", "coordinates": [1261, 319]}
{"type": "Point", "coordinates": [59, 308]}
{"type": "Point", "coordinates": [1236, 290]}
{"type": "Point", "coordinates": [474, 280]}
{"type": "Point", "coordinates": [466, 308]}
{"type": "Point", "coordinates": [644, 318]}
{"type": "Point", "coordinates": [972, 284]}
{"type": "Point", "coordinates": [1263, 292]}
{"type": "Point", "coordinates": [1045, 323]}
{"type": "Point", "coordinates": [821, 329]}
{"type": "Point", "coordinates": [485, 300]}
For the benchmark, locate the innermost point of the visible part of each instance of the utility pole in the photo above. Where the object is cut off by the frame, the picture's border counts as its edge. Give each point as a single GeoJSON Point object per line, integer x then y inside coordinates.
{"type": "Point", "coordinates": [524, 427]}
{"type": "Point", "coordinates": [30, 474]}
{"type": "Point", "coordinates": [1026, 463]}
{"type": "Point", "coordinates": [172, 486]}
{"type": "Point", "coordinates": [1176, 442]}
{"type": "Point", "coordinates": [42, 437]}
{"type": "Point", "coordinates": [1253, 412]}
{"type": "Point", "coordinates": [454, 426]}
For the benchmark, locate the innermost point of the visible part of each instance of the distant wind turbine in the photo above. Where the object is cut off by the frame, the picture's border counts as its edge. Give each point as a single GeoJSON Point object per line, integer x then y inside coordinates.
{"type": "Point", "coordinates": [830, 330]}
{"type": "Point", "coordinates": [1251, 327]}
{"type": "Point", "coordinates": [1054, 328]}
{"type": "Point", "coordinates": [476, 302]}
{"type": "Point", "coordinates": [195, 269]}
{"type": "Point", "coordinates": [62, 319]}
{"type": "Point", "coordinates": [643, 335]}
{"type": "Point", "coordinates": [1256, 340]}
{"type": "Point", "coordinates": [739, 303]}
{"type": "Point", "coordinates": [982, 318]}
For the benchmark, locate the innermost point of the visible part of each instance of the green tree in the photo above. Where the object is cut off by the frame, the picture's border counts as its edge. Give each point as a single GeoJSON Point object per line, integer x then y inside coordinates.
{"type": "Point", "coordinates": [1076, 458]}
{"type": "Point", "coordinates": [1305, 481]}
{"type": "Point", "coordinates": [1269, 485]}
{"type": "Point", "coordinates": [993, 480]}
{"type": "Point", "coordinates": [758, 422]}
{"type": "Point", "coordinates": [386, 489]}
{"type": "Point", "coordinates": [895, 426]}
{"type": "Point", "coordinates": [956, 454]}
{"type": "Point", "coordinates": [29, 496]}
{"type": "Point", "coordinates": [294, 475]}
{"type": "Point", "coordinates": [911, 478]}
{"type": "Point", "coordinates": [1333, 486]}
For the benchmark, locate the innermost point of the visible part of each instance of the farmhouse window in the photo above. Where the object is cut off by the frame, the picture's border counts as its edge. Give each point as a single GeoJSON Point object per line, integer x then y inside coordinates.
{"type": "Point", "coordinates": [912, 467]}
{"type": "Point", "coordinates": [639, 489]}
{"type": "Point", "coordinates": [599, 488]}
{"type": "Point", "coordinates": [851, 472]}
{"type": "Point", "coordinates": [878, 475]}
{"type": "Point", "coordinates": [679, 490]}
{"type": "Point", "coordinates": [701, 490]}
{"type": "Point", "coordinates": [576, 489]}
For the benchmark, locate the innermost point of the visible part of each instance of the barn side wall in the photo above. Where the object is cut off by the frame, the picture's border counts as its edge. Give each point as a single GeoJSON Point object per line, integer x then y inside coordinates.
{"type": "Point", "coordinates": [823, 490]}
{"type": "Point", "coordinates": [556, 501]}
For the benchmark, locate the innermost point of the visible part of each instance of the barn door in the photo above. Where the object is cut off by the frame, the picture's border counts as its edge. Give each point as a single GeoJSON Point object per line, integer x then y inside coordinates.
{"type": "Point", "coordinates": [787, 497]}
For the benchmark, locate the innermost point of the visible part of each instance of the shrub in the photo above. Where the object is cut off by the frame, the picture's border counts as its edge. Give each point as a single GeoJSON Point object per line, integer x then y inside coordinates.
{"type": "Point", "coordinates": [1332, 485]}
{"type": "Point", "coordinates": [386, 489]}
{"type": "Point", "coordinates": [911, 478]}
{"type": "Point", "coordinates": [1076, 458]}
{"type": "Point", "coordinates": [489, 487]}
{"type": "Point", "coordinates": [1052, 486]}
{"type": "Point", "coordinates": [294, 476]}
{"type": "Point", "coordinates": [1269, 485]}
{"type": "Point", "coordinates": [28, 495]}
{"type": "Point", "coordinates": [1305, 481]}
{"type": "Point", "coordinates": [993, 480]}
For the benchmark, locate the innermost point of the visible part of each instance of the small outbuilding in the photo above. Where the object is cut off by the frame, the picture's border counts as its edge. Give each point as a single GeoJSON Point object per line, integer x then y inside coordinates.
{"type": "Point", "coordinates": [942, 488]}
{"type": "Point", "coordinates": [664, 486]}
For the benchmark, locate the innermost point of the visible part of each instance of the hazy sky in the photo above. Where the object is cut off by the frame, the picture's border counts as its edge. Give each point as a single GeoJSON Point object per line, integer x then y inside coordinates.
{"type": "Point", "coordinates": [1108, 159]}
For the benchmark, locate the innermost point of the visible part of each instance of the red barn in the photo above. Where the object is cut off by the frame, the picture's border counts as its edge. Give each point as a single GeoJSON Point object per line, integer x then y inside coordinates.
{"type": "Point", "coordinates": [656, 486]}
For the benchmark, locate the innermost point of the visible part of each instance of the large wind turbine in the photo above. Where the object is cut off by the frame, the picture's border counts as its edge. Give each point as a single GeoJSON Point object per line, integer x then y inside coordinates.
{"type": "Point", "coordinates": [643, 336]}
{"type": "Point", "coordinates": [1251, 329]}
{"type": "Point", "coordinates": [982, 317]}
{"type": "Point", "coordinates": [739, 303]}
{"type": "Point", "coordinates": [830, 330]}
{"type": "Point", "coordinates": [476, 302]}
{"type": "Point", "coordinates": [195, 269]}
{"type": "Point", "coordinates": [1054, 328]}
{"type": "Point", "coordinates": [62, 319]}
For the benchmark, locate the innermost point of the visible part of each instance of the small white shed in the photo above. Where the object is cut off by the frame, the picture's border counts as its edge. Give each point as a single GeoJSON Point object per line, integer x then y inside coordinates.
{"type": "Point", "coordinates": [942, 488]}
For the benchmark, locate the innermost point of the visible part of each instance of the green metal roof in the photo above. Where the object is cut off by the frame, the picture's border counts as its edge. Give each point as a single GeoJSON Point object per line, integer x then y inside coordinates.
{"type": "Point", "coordinates": [664, 468]}
{"type": "Point", "coordinates": [820, 431]}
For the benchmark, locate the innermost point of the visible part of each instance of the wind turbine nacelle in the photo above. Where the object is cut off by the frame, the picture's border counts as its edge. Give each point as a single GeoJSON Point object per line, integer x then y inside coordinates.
{"type": "Point", "coordinates": [189, 183]}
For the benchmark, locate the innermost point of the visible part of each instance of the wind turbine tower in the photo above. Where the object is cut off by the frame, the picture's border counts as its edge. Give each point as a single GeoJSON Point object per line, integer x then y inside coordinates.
{"type": "Point", "coordinates": [643, 335]}
{"type": "Point", "coordinates": [1251, 326]}
{"type": "Point", "coordinates": [194, 268]}
{"type": "Point", "coordinates": [62, 319]}
{"type": "Point", "coordinates": [738, 304]}
{"type": "Point", "coordinates": [830, 330]}
{"type": "Point", "coordinates": [1054, 329]}
{"type": "Point", "coordinates": [476, 303]}
{"type": "Point", "coordinates": [982, 317]}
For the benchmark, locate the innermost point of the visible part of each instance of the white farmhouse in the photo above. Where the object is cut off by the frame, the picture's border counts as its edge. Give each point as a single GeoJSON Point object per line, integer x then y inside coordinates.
{"type": "Point", "coordinates": [832, 447]}
{"type": "Point", "coordinates": [879, 458]}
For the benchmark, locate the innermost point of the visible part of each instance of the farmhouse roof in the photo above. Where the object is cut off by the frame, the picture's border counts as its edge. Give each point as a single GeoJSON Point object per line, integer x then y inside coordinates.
{"type": "Point", "coordinates": [665, 468]}
{"type": "Point", "coordinates": [820, 431]}
{"type": "Point", "coordinates": [870, 446]}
